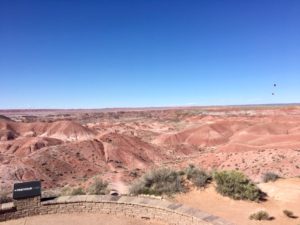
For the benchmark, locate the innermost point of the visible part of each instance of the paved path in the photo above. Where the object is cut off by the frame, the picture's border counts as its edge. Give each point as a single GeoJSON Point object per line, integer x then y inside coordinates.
{"type": "Point", "coordinates": [79, 219]}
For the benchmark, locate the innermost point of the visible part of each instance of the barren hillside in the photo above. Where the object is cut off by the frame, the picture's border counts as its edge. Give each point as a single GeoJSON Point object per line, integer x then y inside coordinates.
{"type": "Point", "coordinates": [70, 148]}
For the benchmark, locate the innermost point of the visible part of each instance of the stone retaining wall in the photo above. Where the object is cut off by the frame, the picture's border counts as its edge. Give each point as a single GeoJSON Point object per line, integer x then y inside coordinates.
{"type": "Point", "coordinates": [137, 207]}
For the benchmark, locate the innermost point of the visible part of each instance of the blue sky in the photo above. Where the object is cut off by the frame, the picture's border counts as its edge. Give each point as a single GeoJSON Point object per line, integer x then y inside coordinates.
{"type": "Point", "coordinates": [134, 53]}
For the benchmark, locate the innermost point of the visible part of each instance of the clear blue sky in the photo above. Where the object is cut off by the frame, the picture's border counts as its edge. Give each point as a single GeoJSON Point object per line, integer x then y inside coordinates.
{"type": "Point", "coordinates": [117, 53]}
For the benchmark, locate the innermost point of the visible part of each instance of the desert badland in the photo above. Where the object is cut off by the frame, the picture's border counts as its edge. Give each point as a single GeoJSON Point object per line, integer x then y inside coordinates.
{"type": "Point", "coordinates": [71, 147]}
{"type": "Point", "coordinates": [150, 112]}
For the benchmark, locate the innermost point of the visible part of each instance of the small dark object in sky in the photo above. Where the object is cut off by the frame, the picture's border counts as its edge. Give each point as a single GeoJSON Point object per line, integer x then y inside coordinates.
{"type": "Point", "coordinates": [275, 85]}
{"type": "Point", "coordinates": [273, 94]}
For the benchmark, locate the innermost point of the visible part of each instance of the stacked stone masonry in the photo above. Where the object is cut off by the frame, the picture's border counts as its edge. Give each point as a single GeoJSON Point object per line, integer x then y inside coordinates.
{"type": "Point", "coordinates": [22, 204]}
{"type": "Point", "coordinates": [136, 207]}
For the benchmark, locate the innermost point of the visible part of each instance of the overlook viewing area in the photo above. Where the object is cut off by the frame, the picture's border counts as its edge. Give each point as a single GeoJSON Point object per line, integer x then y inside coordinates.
{"type": "Point", "coordinates": [134, 208]}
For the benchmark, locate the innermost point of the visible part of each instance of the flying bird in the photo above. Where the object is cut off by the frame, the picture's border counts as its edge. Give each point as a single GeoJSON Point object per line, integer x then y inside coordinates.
{"type": "Point", "coordinates": [275, 85]}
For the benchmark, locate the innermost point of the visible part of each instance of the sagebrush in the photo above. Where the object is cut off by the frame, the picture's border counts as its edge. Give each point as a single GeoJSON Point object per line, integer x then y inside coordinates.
{"type": "Point", "coordinates": [236, 185]}
{"type": "Point", "coordinates": [260, 215]}
{"type": "Point", "coordinates": [98, 187]}
{"type": "Point", "coordinates": [199, 177]}
{"type": "Point", "coordinates": [77, 191]}
{"type": "Point", "coordinates": [158, 182]}
{"type": "Point", "coordinates": [270, 176]}
{"type": "Point", "coordinates": [72, 191]}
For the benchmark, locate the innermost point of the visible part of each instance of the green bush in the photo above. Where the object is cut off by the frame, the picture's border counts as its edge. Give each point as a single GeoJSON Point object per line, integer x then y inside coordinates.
{"type": "Point", "coordinates": [199, 177]}
{"type": "Point", "coordinates": [260, 215]}
{"type": "Point", "coordinates": [98, 187]}
{"type": "Point", "coordinates": [270, 176]}
{"type": "Point", "coordinates": [158, 182]}
{"type": "Point", "coordinates": [236, 185]}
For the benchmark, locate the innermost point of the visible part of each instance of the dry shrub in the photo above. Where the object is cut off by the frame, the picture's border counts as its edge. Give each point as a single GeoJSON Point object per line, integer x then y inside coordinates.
{"type": "Point", "coordinates": [72, 191]}
{"type": "Point", "coordinates": [78, 191]}
{"type": "Point", "coordinates": [260, 215]}
{"type": "Point", "coordinates": [270, 176]}
{"type": "Point", "coordinates": [98, 187]}
{"type": "Point", "coordinates": [158, 182]}
{"type": "Point", "coordinates": [236, 185]}
{"type": "Point", "coordinates": [5, 196]}
{"type": "Point", "coordinates": [289, 214]}
{"type": "Point", "coordinates": [199, 177]}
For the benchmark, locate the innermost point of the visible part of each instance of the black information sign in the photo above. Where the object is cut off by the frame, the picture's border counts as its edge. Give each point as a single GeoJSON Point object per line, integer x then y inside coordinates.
{"type": "Point", "coordinates": [27, 190]}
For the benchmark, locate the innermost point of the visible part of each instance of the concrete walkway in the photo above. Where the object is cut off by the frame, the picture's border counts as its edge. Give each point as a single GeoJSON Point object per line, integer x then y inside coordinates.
{"type": "Point", "coordinates": [79, 219]}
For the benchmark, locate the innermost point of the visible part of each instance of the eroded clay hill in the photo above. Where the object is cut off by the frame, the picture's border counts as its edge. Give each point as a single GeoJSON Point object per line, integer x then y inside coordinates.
{"type": "Point", "coordinates": [70, 148]}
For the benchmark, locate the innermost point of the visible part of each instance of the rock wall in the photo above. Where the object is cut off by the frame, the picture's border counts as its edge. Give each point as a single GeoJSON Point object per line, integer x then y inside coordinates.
{"type": "Point", "coordinates": [137, 207]}
{"type": "Point", "coordinates": [23, 204]}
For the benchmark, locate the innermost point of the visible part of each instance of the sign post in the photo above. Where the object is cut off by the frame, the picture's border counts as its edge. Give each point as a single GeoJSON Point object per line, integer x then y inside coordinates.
{"type": "Point", "coordinates": [27, 195]}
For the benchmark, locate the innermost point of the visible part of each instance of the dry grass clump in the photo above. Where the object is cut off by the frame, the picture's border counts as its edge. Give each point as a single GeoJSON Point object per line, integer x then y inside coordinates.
{"type": "Point", "coordinates": [260, 215]}
{"type": "Point", "coordinates": [51, 193]}
{"type": "Point", "coordinates": [65, 191]}
{"type": "Point", "coordinates": [236, 185]}
{"type": "Point", "coordinates": [77, 191]}
{"type": "Point", "coordinates": [5, 196]}
{"type": "Point", "coordinates": [270, 176]}
{"type": "Point", "coordinates": [158, 182]}
{"type": "Point", "coordinates": [72, 191]}
{"type": "Point", "coordinates": [98, 187]}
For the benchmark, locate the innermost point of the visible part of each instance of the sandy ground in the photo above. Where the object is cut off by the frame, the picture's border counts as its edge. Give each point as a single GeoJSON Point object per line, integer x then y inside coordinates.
{"type": "Point", "coordinates": [79, 219]}
{"type": "Point", "coordinates": [283, 194]}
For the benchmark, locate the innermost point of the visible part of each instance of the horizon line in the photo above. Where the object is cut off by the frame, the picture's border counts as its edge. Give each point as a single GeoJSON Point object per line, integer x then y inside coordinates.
{"type": "Point", "coordinates": [151, 107]}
